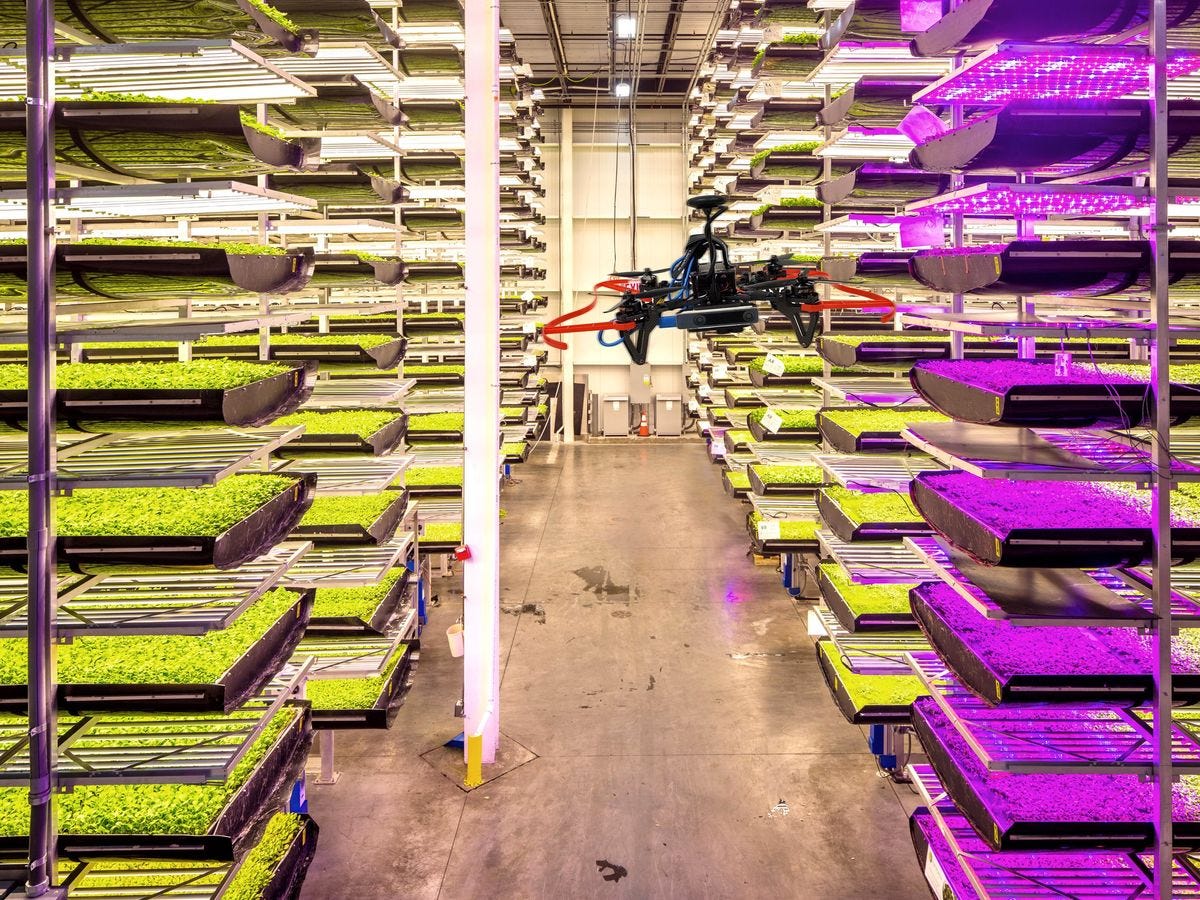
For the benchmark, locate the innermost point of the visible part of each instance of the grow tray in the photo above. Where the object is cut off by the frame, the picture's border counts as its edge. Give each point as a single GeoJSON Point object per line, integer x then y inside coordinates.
{"type": "Point", "coordinates": [150, 601]}
{"type": "Point", "coordinates": [799, 370]}
{"type": "Point", "coordinates": [1002, 662]}
{"type": "Point", "coordinates": [1048, 811]}
{"type": "Point", "coordinates": [435, 375]}
{"type": "Point", "coordinates": [794, 424]}
{"type": "Point", "coordinates": [1045, 523]}
{"type": "Point", "coordinates": [1030, 393]}
{"type": "Point", "coordinates": [881, 268]}
{"type": "Point", "coordinates": [859, 430]}
{"type": "Point", "coordinates": [334, 270]}
{"type": "Point", "coordinates": [869, 391]}
{"type": "Point", "coordinates": [155, 140]}
{"type": "Point", "coordinates": [247, 538]}
{"type": "Point", "coordinates": [516, 451]}
{"type": "Point", "coordinates": [878, 516]}
{"type": "Point", "coordinates": [1060, 737]}
{"type": "Point", "coordinates": [223, 836]}
{"type": "Point", "coordinates": [301, 348]}
{"type": "Point", "coordinates": [1084, 872]}
{"type": "Point", "coordinates": [1097, 268]}
{"type": "Point", "coordinates": [439, 480]}
{"type": "Point", "coordinates": [1073, 597]}
{"type": "Point", "coordinates": [900, 349]}
{"type": "Point", "coordinates": [373, 431]}
{"type": "Point", "coordinates": [791, 480]}
{"type": "Point", "coordinates": [875, 562]}
{"type": "Point", "coordinates": [244, 674]}
{"type": "Point", "coordinates": [339, 530]}
{"type": "Point", "coordinates": [867, 699]}
{"type": "Point", "coordinates": [869, 104]}
{"type": "Point", "coordinates": [343, 190]}
{"type": "Point", "coordinates": [865, 607]}
{"type": "Point", "coordinates": [736, 483]}
{"type": "Point", "coordinates": [252, 402]}
{"type": "Point", "coordinates": [775, 530]}
{"type": "Point", "coordinates": [878, 189]}
{"type": "Point", "coordinates": [358, 683]}
{"type": "Point", "coordinates": [254, 272]}
{"type": "Point", "coordinates": [364, 610]}
{"type": "Point", "coordinates": [439, 426]}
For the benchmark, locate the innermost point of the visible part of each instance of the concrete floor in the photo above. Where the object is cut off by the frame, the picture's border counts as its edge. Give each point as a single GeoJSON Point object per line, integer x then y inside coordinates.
{"type": "Point", "coordinates": [671, 696]}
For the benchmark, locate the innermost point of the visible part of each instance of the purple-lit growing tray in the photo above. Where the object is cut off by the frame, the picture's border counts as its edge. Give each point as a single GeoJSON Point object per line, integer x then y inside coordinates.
{"type": "Point", "coordinates": [978, 24]}
{"type": "Point", "coordinates": [783, 434]}
{"type": "Point", "coordinates": [1083, 268]}
{"type": "Point", "coordinates": [887, 268]}
{"type": "Point", "coordinates": [1024, 392]}
{"type": "Point", "coordinates": [922, 345]}
{"type": "Point", "coordinates": [845, 441]}
{"type": "Point", "coordinates": [1045, 523]}
{"type": "Point", "coordinates": [938, 859]}
{"type": "Point", "coordinates": [868, 104]}
{"type": "Point", "coordinates": [871, 189]}
{"type": "Point", "coordinates": [1049, 811]}
{"type": "Point", "coordinates": [856, 621]}
{"type": "Point", "coordinates": [241, 542]}
{"type": "Point", "coordinates": [1002, 662]}
{"type": "Point", "coordinates": [245, 677]}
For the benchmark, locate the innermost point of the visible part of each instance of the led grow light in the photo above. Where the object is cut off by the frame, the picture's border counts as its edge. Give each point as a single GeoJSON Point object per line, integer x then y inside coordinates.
{"type": "Point", "coordinates": [860, 143]}
{"type": "Point", "coordinates": [217, 71]}
{"type": "Point", "coordinates": [117, 201]}
{"type": "Point", "coordinates": [1065, 72]}
{"type": "Point", "coordinates": [849, 63]}
{"type": "Point", "coordinates": [1035, 200]}
{"type": "Point", "coordinates": [354, 147]}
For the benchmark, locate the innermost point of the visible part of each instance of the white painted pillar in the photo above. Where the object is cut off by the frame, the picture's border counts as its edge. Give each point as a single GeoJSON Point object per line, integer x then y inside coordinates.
{"type": "Point", "coordinates": [481, 434]}
{"type": "Point", "coordinates": [566, 263]}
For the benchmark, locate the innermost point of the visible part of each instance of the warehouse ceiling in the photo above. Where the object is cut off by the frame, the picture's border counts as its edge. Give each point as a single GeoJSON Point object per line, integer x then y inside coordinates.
{"type": "Point", "coordinates": [577, 60]}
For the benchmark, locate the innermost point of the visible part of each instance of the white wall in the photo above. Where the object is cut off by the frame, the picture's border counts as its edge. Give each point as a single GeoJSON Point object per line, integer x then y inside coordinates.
{"type": "Point", "coordinates": [602, 225]}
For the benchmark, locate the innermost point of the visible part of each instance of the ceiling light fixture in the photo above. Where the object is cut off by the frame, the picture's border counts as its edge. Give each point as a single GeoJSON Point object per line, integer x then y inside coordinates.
{"type": "Point", "coordinates": [622, 89]}
{"type": "Point", "coordinates": [625, 27]}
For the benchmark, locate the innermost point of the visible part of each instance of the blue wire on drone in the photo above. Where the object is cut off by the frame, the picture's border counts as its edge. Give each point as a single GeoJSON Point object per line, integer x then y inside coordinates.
{"type": "Point", "coordinates": [604, 343]}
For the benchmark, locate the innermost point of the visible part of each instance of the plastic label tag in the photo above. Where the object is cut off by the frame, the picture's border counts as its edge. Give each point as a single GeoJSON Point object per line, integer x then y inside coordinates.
{"type": "Point", "coordinates": [529, 327]}
{"type": "Point", "coordinates": [616, 405]}
{"type": "Point", "coordinates": [720, 372]}
{"type": "Point", "coordinates": [705, 358]}
{"type": "Point", "coordinates": [771, 421]}
{"type": "Point", "coordinates": [693, 406]}
{"type": "Point", "coordinates": [1062, 363]}
{"type": "Point", "coordinates": [670, 404]}
{"type": "Point", "coordinates": [704, 391]}
{"type": "Point", "coordinates": [768, 530]}
{"type": "Point", "coordinates": [696, 347]}
{"type": "Point", "coordinates": [773, 365]}
{"type": "Point", "coordinates": [935, 876]}
{"type": "Point", "coordinates": [529, 360]}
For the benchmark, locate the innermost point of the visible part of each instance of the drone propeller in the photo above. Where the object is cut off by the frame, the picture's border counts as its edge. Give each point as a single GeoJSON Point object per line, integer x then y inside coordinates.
{"type": "Point", "coordinates": [783, 259]}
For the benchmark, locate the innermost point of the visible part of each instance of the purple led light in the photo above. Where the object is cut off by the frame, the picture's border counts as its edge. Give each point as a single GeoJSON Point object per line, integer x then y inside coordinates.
{"type": "Point", "coordinates": [1003, 200]}
{"type": "Point", "coordinates": [1064, 73]}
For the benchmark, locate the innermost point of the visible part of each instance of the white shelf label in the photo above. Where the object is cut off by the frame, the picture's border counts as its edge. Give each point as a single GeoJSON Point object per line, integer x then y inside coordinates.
{"type": "Point", "coordinates": [935, 876]}
{"type": "Point", "coordinates": [705, 358]}
{"type": "Point", "coordinates": [696, 348]}
{"type": "Point", "coordinates": [768, 530]}
{"type": "Point", "coordinates": [616, 405]}
{"type": "Point", "coordinates": [670, 404]}
{"type": "Point", "coordinates": [529, 327]}
{"type": "Point", "coordinates": [772, 421]}
{"type": "Point", "coordinates": [773, 365]}
{"type": "Point", "coordinates": [529, 360]}
{"type": "Point", "coordinates": [720, 372]}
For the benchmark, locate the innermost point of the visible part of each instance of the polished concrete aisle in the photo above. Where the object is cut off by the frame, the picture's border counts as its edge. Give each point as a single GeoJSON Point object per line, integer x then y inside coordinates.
{"type": "Point", "coordinates": [670, 694]}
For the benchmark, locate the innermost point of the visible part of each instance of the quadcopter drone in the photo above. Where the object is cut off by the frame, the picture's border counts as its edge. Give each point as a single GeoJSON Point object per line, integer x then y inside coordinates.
{"type": "Point", "coordinates": [704, 291]}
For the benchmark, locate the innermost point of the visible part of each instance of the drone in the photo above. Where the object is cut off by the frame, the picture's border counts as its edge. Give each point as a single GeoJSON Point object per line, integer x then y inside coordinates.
{"type": "Point", "coordinates": [704, 291]}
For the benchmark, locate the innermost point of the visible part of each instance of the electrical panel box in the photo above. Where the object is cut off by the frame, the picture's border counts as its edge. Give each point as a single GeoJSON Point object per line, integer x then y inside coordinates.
{"type": "Point", "coordinates": [668, 415]}
{"type": "Point", "coordinates": [614, 415]}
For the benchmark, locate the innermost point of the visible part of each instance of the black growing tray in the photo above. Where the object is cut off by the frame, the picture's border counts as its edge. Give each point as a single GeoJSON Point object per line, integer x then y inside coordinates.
{"type": "Point", "coordinates": [1060, 405]}
{"type": "Point", "coordinates": [979, 796]}
{"type": "Point", "coordinates": [244, 678]}
{"type": "Point", "coordinates": [783, 434]}
{"type": "Point", "coordinates": [1062, 547]}
{"type": "Point", "coordinates": [251, 537]}
{"type": "Point", "coordinates": [289, 872]}
{"type": "Point", "coordinates": [377, 532]}
{"type": "Point", "coordinates": [377, 444]}
{"type": "Point", "coordinates": [765, 379]}
{"type": "Point", "coordinates": [1083, 656]}
{"type": "Point", "coordinates": [333, 269]}
{"type": "Point", "coordinates": [236, 828]}
{"type": "Point", "coordinates": [382, 356]}
{"type": "Point", "coordinates": [340, 626]}
{"type": "Point", "coordinates": [383, 713]}
{"type": "Point", "coordinates": [868, 715]}
{"type": "Point", "coordinates": [779, 488]}
{"type": "Point", "coordinates": [775, 547]}
{"type": "Point", "coordinates": [847, 530]}
{"type": "Point", "coordinates": [868, 442]}
{"type": "Point", "coordinates": [437, 378]}
{"type": "Point", "coordinates": [738, 493]}
{"type": "Point", "coordinates": [255, 273]}
{"type": "Point", "coordinates": [256, 403]}
{"type": "Point", "coordinates": [853, 622]}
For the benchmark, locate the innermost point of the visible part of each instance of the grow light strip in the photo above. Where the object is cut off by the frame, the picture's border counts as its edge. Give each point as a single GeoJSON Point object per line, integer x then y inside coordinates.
{"type": "Point", "coordinates": [850, 63]}
{"type": "Point", "coordinates": [349, 566]}
{"type": "Point", "coordinates": [870, 652]}
{"type": "Point", "coordinates": [991, 199]}
{"type": "Point", "coordinates": [352, 476]}
{"type": "Point", "coordinates": [209, 198]}
{"type": "Point", "coordinates": [1012, 72]}
{"type": "Point", "coordinates": [215, 71]}
{"type": "Point", "coordinates": [875, 562]}
{"type": "Point", "coordinates": [870, 472]}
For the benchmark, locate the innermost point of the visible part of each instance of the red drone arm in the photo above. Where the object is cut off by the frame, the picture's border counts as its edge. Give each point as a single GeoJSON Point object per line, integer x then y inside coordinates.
{"type": "Point", "coordinates": [877, 300]}
{"type": "Point", "coordinates": [557, 326]}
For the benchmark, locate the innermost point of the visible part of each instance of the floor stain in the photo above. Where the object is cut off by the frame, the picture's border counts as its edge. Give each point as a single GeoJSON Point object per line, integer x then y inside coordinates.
{"type": "Point", "coordinates": [598, 581]}
{"type": "Point", "coordinates": [650, 686]}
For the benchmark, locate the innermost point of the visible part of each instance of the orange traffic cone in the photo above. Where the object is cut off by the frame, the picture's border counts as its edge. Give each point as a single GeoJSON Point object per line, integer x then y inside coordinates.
{"type": "Point", "coordinates": [644, 428]}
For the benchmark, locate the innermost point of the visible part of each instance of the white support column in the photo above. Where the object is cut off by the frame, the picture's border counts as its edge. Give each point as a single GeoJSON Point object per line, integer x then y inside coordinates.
{"type": "Point", "coordinates": [566, 263]}
{"type": "Point", "coordinates": [481, 433]}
